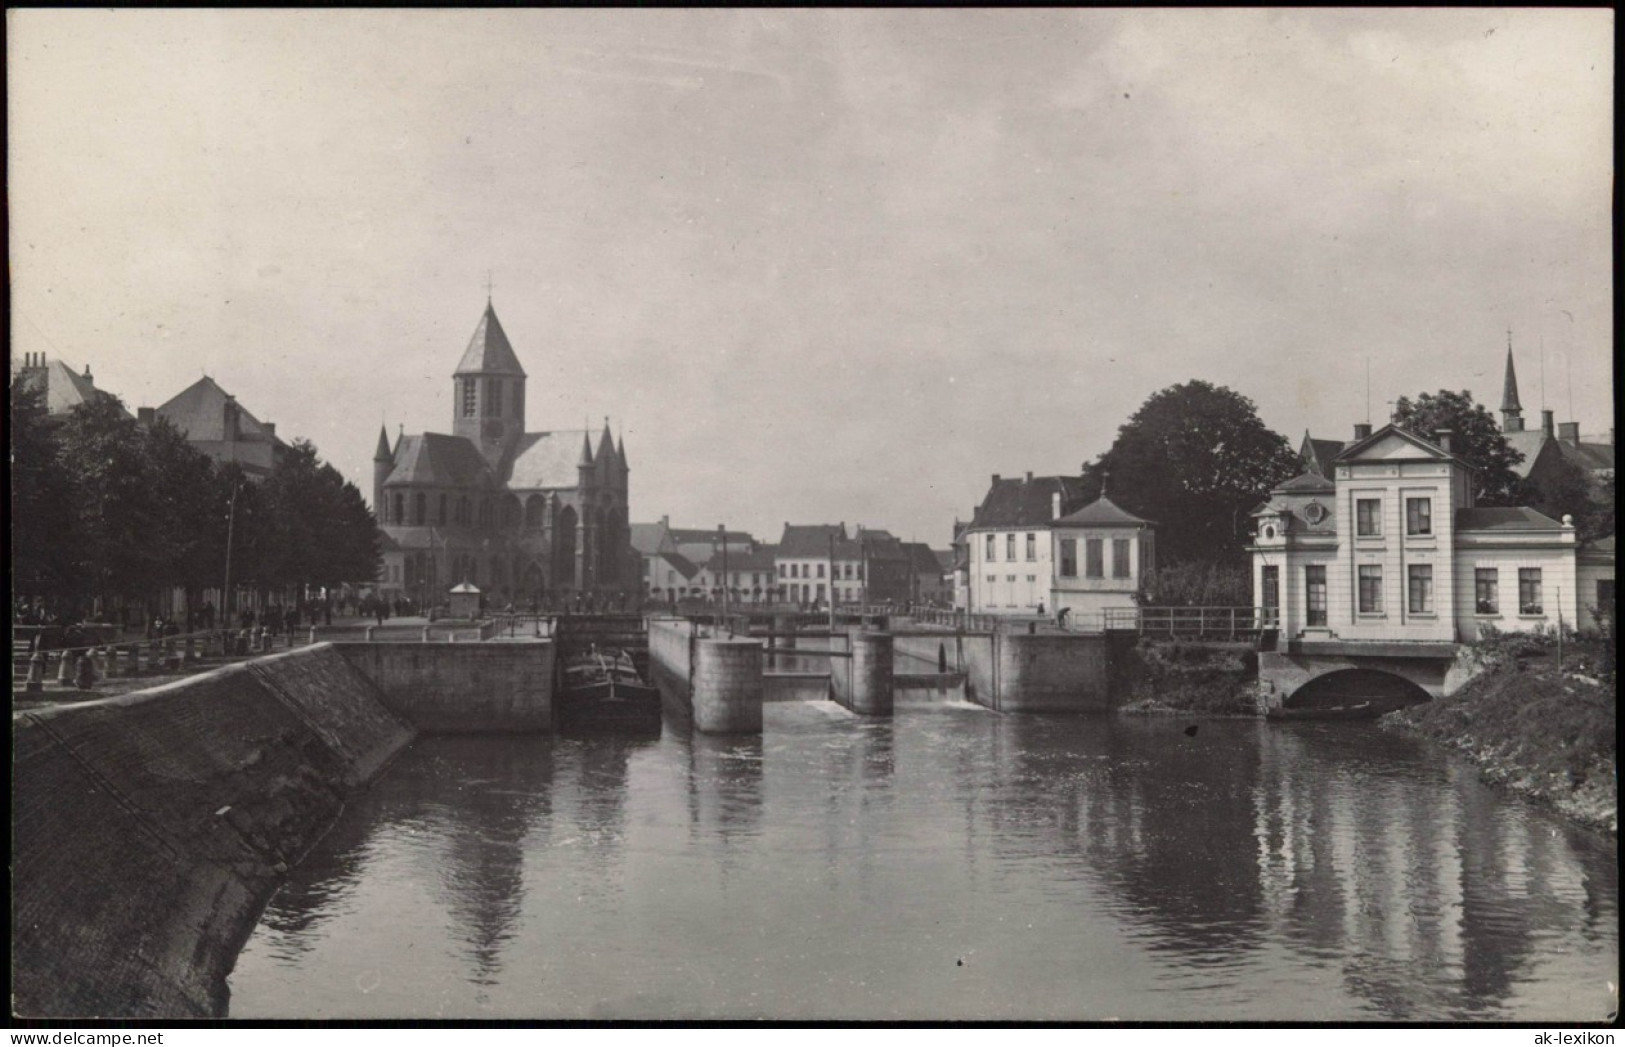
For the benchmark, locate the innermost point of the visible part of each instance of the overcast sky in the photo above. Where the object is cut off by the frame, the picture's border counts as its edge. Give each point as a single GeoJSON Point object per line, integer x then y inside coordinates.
{"type": "Point", "coordinates": [816, 265]}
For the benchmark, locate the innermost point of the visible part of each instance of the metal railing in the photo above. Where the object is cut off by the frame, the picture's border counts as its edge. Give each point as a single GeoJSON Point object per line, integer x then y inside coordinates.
{"type": "Point", "coordinates": [1206, 623]}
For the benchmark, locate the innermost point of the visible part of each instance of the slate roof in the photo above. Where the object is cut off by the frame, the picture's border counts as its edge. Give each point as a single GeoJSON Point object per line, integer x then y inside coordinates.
{"type": "Point", "coordinates": [647, 538]}
{"type": "Point", "coordinates": [1307, 483]}
{"type": "Point", "coordinates": [1318, 455]}
{"type": "Point", "coordinates": [1508, 518]}
{"type": "Point", "coordinates": [757, 561]}
{"type": "Point", "coordinates": [546, 460]}
{"type": "Point", "coordinates": [1102, 512]}
{"type": "Point", "coordinates": [199, 412]}
{"type": "Point", "coordinates": [489, 351]}
{"type": "Point", "coordinates": [63, 387]}
{"type": "Point", "coordinates": [438, 460]}
{"type": "Point", "coordinates": [1527, 443]}
{"type": "Point", "coordinates": [1590, 456]}
{"type": "Point", "coordinates": [924, 560]}
{"type": "Point", "coordinates": [693, 535]}
{"type": "Point", "coordinates": [1015, 502]}
{"type": "Point", "coordinates": [809, 541]}
{"type": "Point", "coordinates": [684, 565]}
{"type": "Point", "coordinates": [1601, 549]}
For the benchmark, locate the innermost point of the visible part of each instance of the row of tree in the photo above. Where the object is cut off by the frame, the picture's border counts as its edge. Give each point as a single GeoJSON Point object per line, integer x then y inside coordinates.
{"type": "Point", "coordinates": [108, 511]}
{"type": "Point", "coordinates": [1196, 459]}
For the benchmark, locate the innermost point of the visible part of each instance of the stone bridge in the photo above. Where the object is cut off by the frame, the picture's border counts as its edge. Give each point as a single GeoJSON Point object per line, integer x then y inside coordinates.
{"type": "Point", "coordinates": [1300, 673]}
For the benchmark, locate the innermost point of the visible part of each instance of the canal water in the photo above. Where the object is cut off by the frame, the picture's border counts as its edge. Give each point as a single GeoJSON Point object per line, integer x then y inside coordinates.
{"type": "Point", "coordinates": [950, 864]}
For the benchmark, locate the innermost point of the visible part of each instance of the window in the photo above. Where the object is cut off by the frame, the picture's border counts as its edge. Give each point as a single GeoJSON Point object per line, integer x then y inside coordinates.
{"type": "Point", "coordinates": [519, 399]}
{"type": "Point", "coordinates": [1009, 577]}
{"type": "Point", "coordinates": [420, 510]}
{"type": "Point", "coordinates": [1420, 587]}
{"type": "Point", "coordinates": [1314, 578]}
{"type": "Point", "coordinates": [1368, 517]}
{"type": "Point", "coordinates": [1032, 577]}
{"type": "Point", "coordinates": [1032, 547]}
{"type": "Point", "coordinates": [1605, 595]}
{"type": "Point", "coordinates": [1092, 551]}
{"type": "Point", "coordinates": [493, 397]}
{"type": "Point", "coordinates": [820, 572]}
{"type": "Point", "coordinates": [992, 548]}
{"type": "Point", "coordinates": [781, 571]}
{"type": "Point", "coordinates": [1370, 588]}
{"type": "Point", "coordinates": [992, 578]}
{"type": "Point", "coordinates": [399, 516]}
{"type": "Point", "coordinates": [1271, 596]}
{"type": "Point", "coordinates": [1529, 591]}
{"type": "Point", "coordinates": [468, 397]}
{"type": "Point", "coordinates": [1069, 557]}
{"type": "Point", "coordinates": [1010, 547]}
{"type": "Point", "coordinates": [1119, 557]}
{"type": "Point", "coordinates": [1487, 590]}
{"type": "Point", "coordinates": [440, 517]}
{"type": "Point", "coordinates": [1418, 516]}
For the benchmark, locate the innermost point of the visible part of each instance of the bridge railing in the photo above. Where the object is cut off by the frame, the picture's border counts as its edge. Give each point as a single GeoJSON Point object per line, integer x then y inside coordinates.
{"type": "Point", "coordinates": [1207, 623]}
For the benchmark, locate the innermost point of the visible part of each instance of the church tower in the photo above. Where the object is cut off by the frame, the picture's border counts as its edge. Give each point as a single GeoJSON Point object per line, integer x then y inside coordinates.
{"type": "Point", "coordinates": [488, 391]}
{"type": "Point", "coordinates": [383, 461]}
{"type": "Point", "coordinates": [1511, 409]}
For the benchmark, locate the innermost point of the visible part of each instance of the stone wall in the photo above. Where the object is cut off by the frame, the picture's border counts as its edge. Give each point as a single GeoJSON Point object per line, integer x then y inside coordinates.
{"type": "Point", "coordinates": [463, 687]}
{"type": "Point", "coordinates": [149, 830]}
{"type": "Point", "coordinates": [1051, 673]}
{"type": "Point", "coordinates": [727, 694]}
{"type": "Point", "coordinates": [670, 663]}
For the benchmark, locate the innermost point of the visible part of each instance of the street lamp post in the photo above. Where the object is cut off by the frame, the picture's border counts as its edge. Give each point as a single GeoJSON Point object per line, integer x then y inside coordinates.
{"type": "Point", "coordinates": [225, 593]}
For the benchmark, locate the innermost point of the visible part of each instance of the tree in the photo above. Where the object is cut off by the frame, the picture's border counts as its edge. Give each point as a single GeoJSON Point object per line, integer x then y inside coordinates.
{"type": "Point", "coordinates": [1196, 459]}
{"type": "Point", "coordinates": [117, 537]}
{"type": "Point", "coordinates": [42, 539]}
{"type": "Point", "coordinates": [189, 539]}
{"type": "Point", "coordinates": [1475, 438]}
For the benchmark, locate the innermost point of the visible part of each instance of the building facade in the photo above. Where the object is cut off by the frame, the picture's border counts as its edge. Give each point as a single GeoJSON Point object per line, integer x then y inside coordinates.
{"type": "Point", "coordinates": [1010, 565]}
{"type": "Point", "coordinates": [1101, 554]}
{"type": "Point", "coordinates": [1393, 548]}
{"type": "Point", "coordinates": [531, 518]}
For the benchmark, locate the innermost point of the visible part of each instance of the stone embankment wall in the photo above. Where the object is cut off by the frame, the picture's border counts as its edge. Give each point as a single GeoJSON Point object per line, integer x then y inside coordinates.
{"type": "Point", "coordinates": [1020, 672]}
{"type": "Point", "coordinates": [464, 687]}
{"type": "Point", "coordinates": [713, 683]}
{"type": "Point", "coordinates": [149, 830]}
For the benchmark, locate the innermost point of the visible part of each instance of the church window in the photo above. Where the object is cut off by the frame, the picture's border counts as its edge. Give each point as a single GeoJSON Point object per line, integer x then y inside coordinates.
{"type": "Point", "coordinates": [398, 516]}
{"type": "Point", "coordinates": [493, 397]}
{"type": "Point", "coordinates": [518, 400]}
{"type": "Point", "coordinates": [468, 397]}
{"type": "Point", "coordinates": [420, 512]}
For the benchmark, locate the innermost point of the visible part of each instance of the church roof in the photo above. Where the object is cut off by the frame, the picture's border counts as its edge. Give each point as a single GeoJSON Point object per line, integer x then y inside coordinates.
{"type": "Point", "coordinates": [1317, 455]}
{"type": "Point", "coordinates": [647, 538]}
{"type": "Point", "coordinates": [489, 351]}
{"type": "Point", "coordinates": [1307, 483]}
{"type": "Point", "coordinates": [199, 412]}
{"type": "Point", "coordinates": [1102, 512]}
{"type": "Point", "coordinates": [547, 460]}
{"type": "Point", "coordinates": [438, 460]}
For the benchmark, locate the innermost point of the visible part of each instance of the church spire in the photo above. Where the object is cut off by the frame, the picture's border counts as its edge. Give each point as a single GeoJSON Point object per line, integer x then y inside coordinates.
{"type": "Point", "coordinates": [383, 454]}
{"type": "Point", "coordinates": [586, 448]}
{"type": "Point", "coordinates": [1511, 409]}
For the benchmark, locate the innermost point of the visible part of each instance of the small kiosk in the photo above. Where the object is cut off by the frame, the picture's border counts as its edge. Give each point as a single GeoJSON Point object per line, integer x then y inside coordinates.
{"type": "Point", "coordinates": [465, 601]}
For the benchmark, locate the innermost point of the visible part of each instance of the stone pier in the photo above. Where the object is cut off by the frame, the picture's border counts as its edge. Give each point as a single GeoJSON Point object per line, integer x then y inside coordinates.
{"type": "Point", "coordinates": [864, 683]}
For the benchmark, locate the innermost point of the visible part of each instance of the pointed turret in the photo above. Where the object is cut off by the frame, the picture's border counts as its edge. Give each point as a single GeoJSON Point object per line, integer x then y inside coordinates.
{"type": "Point", "coordinates": [383, 463]}
{"type": "Point", "coordinates": [1511, 409]}
{"type": "Point", "coordinates": [488, 391]}
{"type": "Point", "coordinates": [586, 449]}
{"type": "Point", "coordinates": [383, 454]}
{"type": "Point", "coordinates": [605, 455]}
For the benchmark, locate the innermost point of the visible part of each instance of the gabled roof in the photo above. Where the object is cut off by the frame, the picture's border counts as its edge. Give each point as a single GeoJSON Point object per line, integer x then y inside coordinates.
{"type": "Point", "coordinates": [1428, 448]}
{"type": "Point", "coordinates": [647, 538]}
{"type": "Point", "coordinates": [684, 565]}
{"type": "Point", "coordinates": [199, 412]}
{"type": "Point", "coordinates": [62, 388]}
{"type": "Point", "coordinates": [756, 561]}
{"type": "Point", "coordinates": [1318, 455]}
{"type": "Point", "coordinates": [489, 351]}
{"type": "Point", "coordinates": [546, 460]}
{"type": "Point", "coordinates": [807, 541]}
{"type": "Point", "coordinates": [922, 558]}
{"type": "Point", "coordinates": [1017, 502]}
{"type": "Point", "coordinates": [1102, 512]}
{"type": "Point", "coordinates": [1586, 455]}
{"type": "Point", "coordinates": [1508, 518]}
{"type": "Point", "coordinates": [1307, 483]}
{"type": "Point", "coordinates": [1526, 442]}
{"type": "Point", "coordinates": [435, 459]}
{"type": "Point", "coordinates": [695, 535]}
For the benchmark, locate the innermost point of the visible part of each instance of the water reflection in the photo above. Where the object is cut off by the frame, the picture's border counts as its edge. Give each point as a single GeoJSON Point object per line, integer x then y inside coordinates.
{"type": "Point", "coordinates": [837, 867]}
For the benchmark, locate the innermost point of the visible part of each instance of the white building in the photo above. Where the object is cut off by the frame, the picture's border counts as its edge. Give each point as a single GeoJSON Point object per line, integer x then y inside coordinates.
{"type": "Point", "coordinates": [1392, 547]}
{"type": "Point", "coordinates": [1011, 566]}
{"type": "Point", "coordinates": [1101, 553]}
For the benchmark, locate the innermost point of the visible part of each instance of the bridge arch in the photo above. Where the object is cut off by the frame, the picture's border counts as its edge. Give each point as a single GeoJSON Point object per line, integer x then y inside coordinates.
{"type": "Point", "coordinates": [1385, 688]}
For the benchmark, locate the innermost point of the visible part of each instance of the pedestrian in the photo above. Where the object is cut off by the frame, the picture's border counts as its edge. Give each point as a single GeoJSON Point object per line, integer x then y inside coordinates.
{"type": "Point", "coordinates": [379, 609]}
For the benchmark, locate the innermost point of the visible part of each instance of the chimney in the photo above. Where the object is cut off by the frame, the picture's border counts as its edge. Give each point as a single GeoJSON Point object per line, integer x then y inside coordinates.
{"type": "Point", "coordinates": [1055, 505]}
{"type": "Point", "coordinates": [1362, 430]}
{"type": "Point", "coordinates": [1442, 438]}
{"type": "Point", "coordinates": [1546, 422]}
{"type": "Point", "coordinates": [665, 521]}
{"type": "Point", "coordinates": [995, 477]}
{"type": "Point", "coordinates": [1029, 476]}
{"type": "Point", "coordinates": [87, 371]}
{"type": "Point", "coordinates": [270, 428]}
{"type": "Point", "coordinates": [146, 415]}
{"type": "Point", "coordinates": [1569, 433]}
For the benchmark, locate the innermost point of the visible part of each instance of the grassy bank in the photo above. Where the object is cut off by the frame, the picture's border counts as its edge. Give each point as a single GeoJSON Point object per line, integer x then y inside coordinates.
{"type": "Point", "coordinates": [1541, 732]}
{"type": "Point", "coordinates": [1204, 679]}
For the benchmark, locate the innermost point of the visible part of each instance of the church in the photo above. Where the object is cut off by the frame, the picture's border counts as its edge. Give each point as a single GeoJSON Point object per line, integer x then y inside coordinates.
{"type": "Point", "coordinates": [529, 518]}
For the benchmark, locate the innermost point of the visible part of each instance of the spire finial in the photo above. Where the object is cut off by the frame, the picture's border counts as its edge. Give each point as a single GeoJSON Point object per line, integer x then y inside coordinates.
{"type": "Point", "coordinates": [1105, 475]}
{"type": "Point", "coordinates": [489, 285]}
